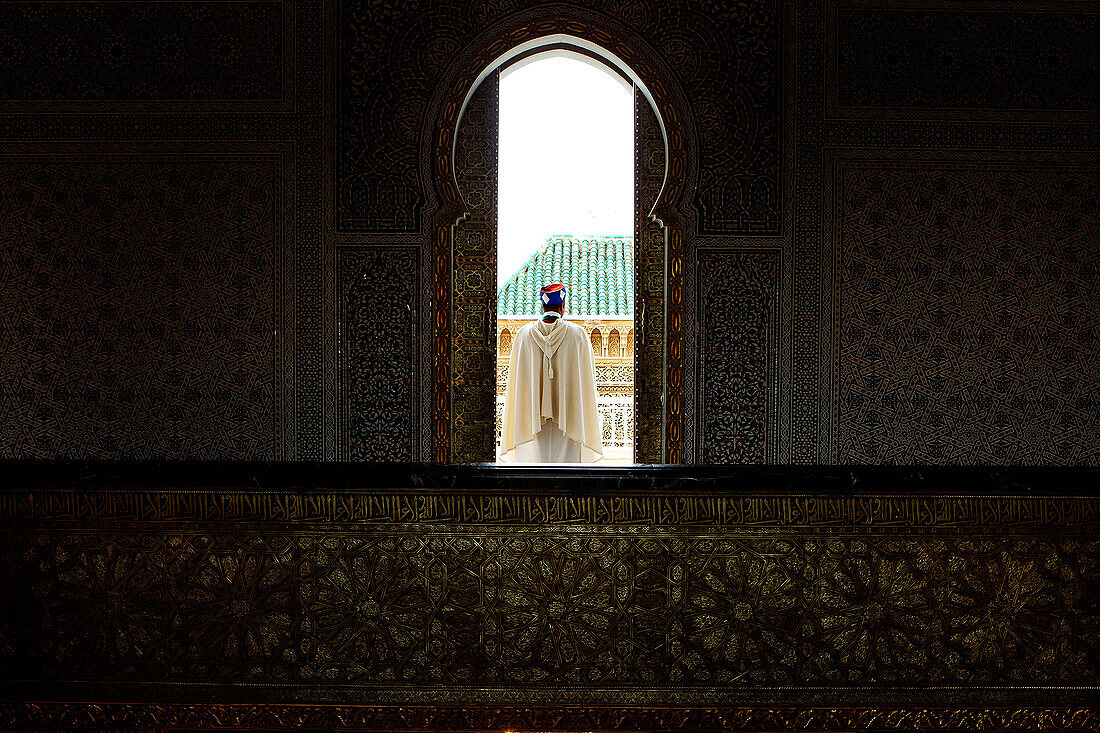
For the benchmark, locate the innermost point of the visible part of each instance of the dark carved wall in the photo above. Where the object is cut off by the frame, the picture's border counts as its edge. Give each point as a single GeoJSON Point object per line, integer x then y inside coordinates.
{"type": "Point", "coordinates": [738, 319]}
{"type": "Point", "coordinates": [776, 97]}
{"type": "Point", "coordinates": [154, 157]}
{"type": "Point", "coordinates": [943, 221]}
{"type": "Point", "coordinates": [434, 594]}
{"type": "Point", "coordinates": [967, 309]}
{"type": "Point", "coordinates": [139, 310]}
{"type": "Point", "coordinates": [727, 55]}
{"type": "Point", "coordinates": [376, 340]}
{"type": "Point", "coordinates": [964, 61]}
{"type": "Point", "coordinates": [147, 55]}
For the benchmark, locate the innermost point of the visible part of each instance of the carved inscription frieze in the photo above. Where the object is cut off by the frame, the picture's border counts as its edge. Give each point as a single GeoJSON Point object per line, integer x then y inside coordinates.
{"type": "Point", "coordinates": [723, 510]}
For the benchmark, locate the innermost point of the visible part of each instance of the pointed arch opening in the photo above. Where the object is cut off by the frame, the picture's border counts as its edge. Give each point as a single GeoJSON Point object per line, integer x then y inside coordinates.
{"type": "Point", "coordinates": [466, 332]}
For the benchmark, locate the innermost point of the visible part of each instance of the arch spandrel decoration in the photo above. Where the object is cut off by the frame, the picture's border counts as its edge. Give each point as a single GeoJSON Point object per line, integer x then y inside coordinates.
{"type": "Point", "coordinates": [617, 45]}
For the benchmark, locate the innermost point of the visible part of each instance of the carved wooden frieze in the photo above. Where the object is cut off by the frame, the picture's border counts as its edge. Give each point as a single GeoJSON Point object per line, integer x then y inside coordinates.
{"type": "Point", "coordinates": [525, 609]}
{"type": "Point", "coordinates": [615, 595]}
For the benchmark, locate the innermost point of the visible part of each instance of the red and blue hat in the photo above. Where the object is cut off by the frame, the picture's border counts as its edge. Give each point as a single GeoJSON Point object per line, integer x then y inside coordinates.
{"type": "Point", "coordinates": [552, 294]}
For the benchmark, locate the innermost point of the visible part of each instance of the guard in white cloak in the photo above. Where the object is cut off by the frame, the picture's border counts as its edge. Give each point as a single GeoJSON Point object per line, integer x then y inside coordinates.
{"type": "Point", "coordinates": [550, 413]}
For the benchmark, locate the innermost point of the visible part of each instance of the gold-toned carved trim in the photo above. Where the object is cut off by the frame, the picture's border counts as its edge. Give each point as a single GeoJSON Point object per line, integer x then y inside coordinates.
{"type": "Point", "coordinates": [492, 508]}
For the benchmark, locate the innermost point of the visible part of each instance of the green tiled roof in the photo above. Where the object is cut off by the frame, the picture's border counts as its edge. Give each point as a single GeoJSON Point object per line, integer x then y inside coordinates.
{"type": "Point", "coordinates": [598, 274]}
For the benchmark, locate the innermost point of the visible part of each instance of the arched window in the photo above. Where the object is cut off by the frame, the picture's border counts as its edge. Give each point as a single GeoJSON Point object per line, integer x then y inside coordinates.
{"type": "Point", "coordinates": [613, 344]}
{"type": "Point", "coordinates": [505, 342]}
{"type": "Point", "coordinates": [602, 268]}
{"type": "Point", "coordinates": [630, 344]}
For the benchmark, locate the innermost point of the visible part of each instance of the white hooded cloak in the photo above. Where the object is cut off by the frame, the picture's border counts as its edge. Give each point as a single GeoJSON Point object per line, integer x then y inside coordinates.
{"type": "Point", "coordinates": [551, 384]}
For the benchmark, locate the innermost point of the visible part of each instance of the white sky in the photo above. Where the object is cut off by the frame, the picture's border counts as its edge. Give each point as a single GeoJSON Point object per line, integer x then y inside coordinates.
{"type": "Point", "coordinates": [566, 156]}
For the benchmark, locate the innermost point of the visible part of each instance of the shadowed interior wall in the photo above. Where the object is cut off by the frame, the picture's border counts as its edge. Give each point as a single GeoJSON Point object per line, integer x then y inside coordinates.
{"type": "Point", "coordinates": [855, 162]}
{"type": "Point", "coordinates": [139, 311]}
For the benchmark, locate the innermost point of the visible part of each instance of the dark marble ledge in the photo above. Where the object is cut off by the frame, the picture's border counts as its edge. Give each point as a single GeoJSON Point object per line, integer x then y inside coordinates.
{"type": "Point", "coordinates": [709, 479]}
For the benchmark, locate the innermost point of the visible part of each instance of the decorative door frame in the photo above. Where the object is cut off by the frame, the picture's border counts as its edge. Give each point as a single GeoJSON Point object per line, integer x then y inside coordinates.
{"type": "Point", "coordinates": [620, 48]}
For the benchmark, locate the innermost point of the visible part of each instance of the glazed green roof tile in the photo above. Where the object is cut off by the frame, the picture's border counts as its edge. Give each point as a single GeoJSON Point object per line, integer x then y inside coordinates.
{"type": "Point", "coordinates": [598, 273]}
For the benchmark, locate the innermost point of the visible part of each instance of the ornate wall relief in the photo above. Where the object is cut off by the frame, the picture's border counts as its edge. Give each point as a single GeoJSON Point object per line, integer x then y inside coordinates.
{"type": "Point", "coordinates": [391, 59]}
{"type": "Point", "coordinates": [738, 322]}
{"type": "Point", "coordinates": [142, 294]}
{"type": "Point", "coordinates": [967, 308]}
{"type": "Point", "coordinates": [168, 56]}
{"type": "Point", "coordinates": [959, 61]}
{"type": "Point", "coordinates": [378, 385]}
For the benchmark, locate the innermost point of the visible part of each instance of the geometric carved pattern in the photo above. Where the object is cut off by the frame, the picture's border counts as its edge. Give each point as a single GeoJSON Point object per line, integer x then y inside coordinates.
{"type": "Point", "coordinates": [700, 611]}
{"type": "Point", "coordinates": [966, 59]}
{"type": "Point", "coordinates": [737, 322]}
{"type": "Point", "coordinates": [649, 268]}
{"type": "Point", "coordinates": [366, 611]}
{"type": "Point", "coordinates": [604, 592]}
{"type": "Point", "coordinates": [968, 304]}
{"type": "Point", "coordinates": [138, 310]}
{"type": "Point", "coordinates": [144, 52]}
{"type": "Point", "coordinates": [108, 604]}
{"type": "Point", "coordinates": [473, 298]}
{"type": "Point", "coordinates": [738, 130]}
{"type": "Point", "coordinates": [237, 608]}
{"type": "Point", "coordinates": [392, 57]}
{"type": "Point", "coordinates": [376, 343]}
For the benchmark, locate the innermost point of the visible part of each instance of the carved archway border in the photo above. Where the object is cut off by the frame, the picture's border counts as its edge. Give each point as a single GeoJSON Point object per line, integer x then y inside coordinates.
{"type": "Point", "coordinates": [623, 48]}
